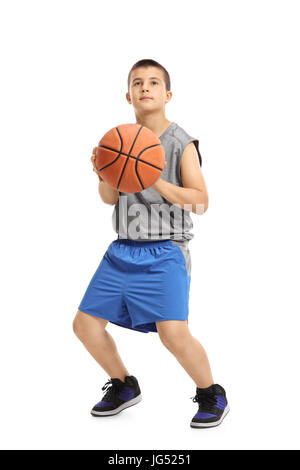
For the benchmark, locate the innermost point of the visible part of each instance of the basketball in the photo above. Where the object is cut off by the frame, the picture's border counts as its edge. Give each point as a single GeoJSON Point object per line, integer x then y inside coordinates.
{"type": "Point", "coordinates": [130, 158]}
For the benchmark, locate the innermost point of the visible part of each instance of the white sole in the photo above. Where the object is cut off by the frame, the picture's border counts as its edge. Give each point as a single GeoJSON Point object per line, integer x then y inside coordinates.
{"type": "Point", "coordinates": [214, 423]}
{"type": "Point", "coordinates": [127, 404]}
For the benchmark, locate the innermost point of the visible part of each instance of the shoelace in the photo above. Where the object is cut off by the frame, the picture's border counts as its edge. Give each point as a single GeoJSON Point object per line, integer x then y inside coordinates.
{"type": "Point", "coordinates": [206, 401]}
{"type": "Point", "coordinates": [113, 388]}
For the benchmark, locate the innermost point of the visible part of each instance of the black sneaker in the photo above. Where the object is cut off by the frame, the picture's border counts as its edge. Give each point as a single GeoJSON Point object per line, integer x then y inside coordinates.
{"type": "Point", "coordinates": [213, 406]}
{"type": "Point", "coordinates": [119, 395]}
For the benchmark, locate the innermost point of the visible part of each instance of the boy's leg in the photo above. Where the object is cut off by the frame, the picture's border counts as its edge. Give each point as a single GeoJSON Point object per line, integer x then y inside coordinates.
{"type": "Point", "coordinates": [99, 343]}
{"type": "Point", "coordinates": [176, 337]}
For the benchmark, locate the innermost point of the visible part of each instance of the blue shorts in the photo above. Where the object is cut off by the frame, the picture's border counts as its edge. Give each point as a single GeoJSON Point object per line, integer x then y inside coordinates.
{"type": "Point", "coordinates": [138, 283]}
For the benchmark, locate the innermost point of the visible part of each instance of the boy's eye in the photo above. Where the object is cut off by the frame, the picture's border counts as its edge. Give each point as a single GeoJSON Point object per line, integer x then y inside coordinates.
{"type": "Point", "coordinates": [140, 82]}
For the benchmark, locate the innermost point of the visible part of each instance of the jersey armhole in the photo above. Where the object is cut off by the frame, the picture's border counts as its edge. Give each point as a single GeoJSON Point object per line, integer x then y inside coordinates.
{"type": "Point", "coordinates": [183, 145]}
{"type": "Point", "coordinates": [196, 143]}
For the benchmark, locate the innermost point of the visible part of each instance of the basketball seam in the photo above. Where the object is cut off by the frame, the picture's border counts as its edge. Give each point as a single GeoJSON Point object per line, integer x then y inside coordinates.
{"type": "Point", "coordinates": [124, 166]}
{"type": "Point", "coordinates": [130, 156]}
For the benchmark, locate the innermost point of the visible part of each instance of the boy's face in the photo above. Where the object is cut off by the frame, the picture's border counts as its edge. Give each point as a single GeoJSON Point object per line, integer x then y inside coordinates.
{"type": "Point", "coordinates": [147, 82]}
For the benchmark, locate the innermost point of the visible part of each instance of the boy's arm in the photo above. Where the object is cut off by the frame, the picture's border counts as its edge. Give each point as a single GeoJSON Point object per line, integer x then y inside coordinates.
{"type": "Point", "coordinates": [108, 194]}
{"type": "Point", "coordinates": [193, 196]}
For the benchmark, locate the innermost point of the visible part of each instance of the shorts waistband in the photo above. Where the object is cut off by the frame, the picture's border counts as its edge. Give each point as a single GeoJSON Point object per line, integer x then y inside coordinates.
{"type": "Point", "coordinates": [144, 244]}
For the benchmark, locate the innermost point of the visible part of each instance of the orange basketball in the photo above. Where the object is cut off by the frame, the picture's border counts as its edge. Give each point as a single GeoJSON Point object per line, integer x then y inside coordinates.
{"type": "Point", "coordinates": [130, 158]}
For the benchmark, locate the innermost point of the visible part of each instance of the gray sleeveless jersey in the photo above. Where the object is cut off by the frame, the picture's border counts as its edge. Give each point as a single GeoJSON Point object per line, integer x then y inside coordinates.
{"type": "Point", "coordinates": [146, 215]}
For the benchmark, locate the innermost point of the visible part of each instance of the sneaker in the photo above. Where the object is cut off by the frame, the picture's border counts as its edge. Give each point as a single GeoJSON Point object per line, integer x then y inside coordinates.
{"type": "Point", "coordinates": [119, 395]}
{"type": "Point", "coordinates": [213, 406]}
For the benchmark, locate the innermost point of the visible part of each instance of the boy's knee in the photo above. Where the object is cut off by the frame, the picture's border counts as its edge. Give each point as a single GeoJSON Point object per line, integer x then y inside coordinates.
{"type": "Point", "coordinates": [77, 324]}
{"type": "Point", "coordinates": [85, 324]}
{"type": "Point", "coordinates": [174, 340]}
{"type": "Point", "coordinates": [81, 324]}
{"type": "Point", "coordinates": [170, 341]}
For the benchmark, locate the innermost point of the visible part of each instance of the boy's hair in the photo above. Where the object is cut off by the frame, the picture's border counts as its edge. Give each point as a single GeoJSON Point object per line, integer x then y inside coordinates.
{"type": "Point", "coordinates": [151, 63]}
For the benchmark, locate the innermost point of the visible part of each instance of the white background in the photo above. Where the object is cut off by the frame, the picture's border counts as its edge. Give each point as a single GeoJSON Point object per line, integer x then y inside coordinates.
{"type": "Point", "coordinates": [234, 69]}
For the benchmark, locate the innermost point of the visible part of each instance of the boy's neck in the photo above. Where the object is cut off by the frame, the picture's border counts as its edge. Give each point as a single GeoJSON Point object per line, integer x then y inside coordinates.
{"type": "Point", "coordinates": [157, 124]}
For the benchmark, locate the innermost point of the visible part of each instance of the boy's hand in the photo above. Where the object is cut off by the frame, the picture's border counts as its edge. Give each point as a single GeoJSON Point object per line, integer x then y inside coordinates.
{"type": "Point", "coordinates": [94, 166]}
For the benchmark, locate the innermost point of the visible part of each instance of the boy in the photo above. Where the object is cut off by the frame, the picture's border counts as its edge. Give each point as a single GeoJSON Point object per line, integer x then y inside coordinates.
{"type": "Point", "coordinates": [143, 280]}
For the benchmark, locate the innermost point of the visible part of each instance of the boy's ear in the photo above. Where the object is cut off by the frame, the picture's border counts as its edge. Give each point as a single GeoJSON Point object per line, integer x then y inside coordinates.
{"type": "Point", "coordinates": [169, 96]}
